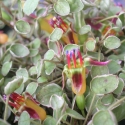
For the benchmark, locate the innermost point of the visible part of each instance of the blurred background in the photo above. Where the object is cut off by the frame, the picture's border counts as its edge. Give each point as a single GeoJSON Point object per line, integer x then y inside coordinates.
{"type": "Point", "coordinates": [120, 1]}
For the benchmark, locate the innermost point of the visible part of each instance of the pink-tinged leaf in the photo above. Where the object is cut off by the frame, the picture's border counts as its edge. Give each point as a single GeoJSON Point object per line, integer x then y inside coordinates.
{"type": "Point", "coordinates": [93, 24]}
{"type": "Point", "coordinates": [32, 113]}
{"type": "Point", "coordinates": [77, 80]}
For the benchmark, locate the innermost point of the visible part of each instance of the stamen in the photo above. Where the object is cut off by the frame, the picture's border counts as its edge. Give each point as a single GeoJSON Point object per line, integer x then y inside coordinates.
{"type": "Point", "coordinates": [80, 57]}
{"type": "Point", "coordinates": [74, 58]}
{"type": "Point", "coordinates": [68, 59]}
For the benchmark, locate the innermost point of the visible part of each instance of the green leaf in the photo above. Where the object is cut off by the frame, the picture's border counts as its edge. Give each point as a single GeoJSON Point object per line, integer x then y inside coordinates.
{"type": "Point", "coordinates": [84, 29]}
{"type": "Point", "coordinates": [56, 101]}
{"type": "Point", "coordinates": [104, 84]}
{"type": "Point", "coordinates": [13, 85]}
{"type": "Point", "coordinates": [88, 101]}
{"type": "Point", "coordinates": [56, 35]}
{"type": "Point", "coordinates": [22, 27]}
{"type": "Point", "coordinates": [107, 99]}
{"type": "Point", "coordinates": [42, 79]}
{"type": "Point", "coordinates": [33, 52]}
{"type": "Point", "coordinates": [36, 58]}
{"type": "Point", "coordinates": [49, 67]}
{"type": "Point", "coordinates": [104, 5]}
{"type": "Point", "coordinates": [6, 68]}
{"type": "Point", "coordinates": [120, 112]}
{"type": "Point", "coordinates": [74, 114]}
{"type": "Point", "coordinates": [100, 105]}
{"type": "Point", "coordinates": [36, 43]}
{"type": "Point", "coordinates": [119, 23]}
{"type": "Point", "coordinates": [20, 89]}
{"type": "Point", "coordinates": [30, 6]}
{"type": "Point", "coordinates": [39, 67]}
{"type": "Point", "coordinates": [32, 71]}
{"type": "Point", "coordinates": [120, 87]}
{"type": "Point", "coordinates": [105, 116]}
{"type": "Point", "coordinates": [75, 5]}
{"type": "Point", "coordinates": [90, 45]}
{"type": "Point", "coordinates": [1, 81]}
{"type": "Point", "coordinates": [56, 47]}
{"type": "Point", "coordinates": [24, 119]}
{"type": "Point", "coordinates": [111, 66]}
{"type": "Point", "coordinates": [112, 42]}
{"type": "Point", "coordinates": [62, 7]}
{"type": "Point", "coordinates": [22, 72]}
{"type": "Point", "coordinates": [95, 55]}
{"type": "Point", "coordinates": [2, 122]}
{"type": "Point", "coordinates": [19, 50]}
{"type": "Point", "coordinates": [31, 88]}
{"type": "Point", "coordinates": [99, 70]}
{"type": "Point", "coordinates": [70, 47]}
{"type": "Point", "coordinates": [46, 92]}
{"type": "Point", "coordinates": [49, 54]}
{"type": "Point", "coordinates": [7, 58]}
{"type": "Point", "coordinates": [49, 121]}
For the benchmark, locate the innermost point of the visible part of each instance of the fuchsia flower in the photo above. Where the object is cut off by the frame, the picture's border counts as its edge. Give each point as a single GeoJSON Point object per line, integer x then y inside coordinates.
{"type": "Point", "coordinates": [76, 70]}
{"type": "Point", "coordinates": [27, 103]}
{"type": "Point", "coordinates": [51, 22]}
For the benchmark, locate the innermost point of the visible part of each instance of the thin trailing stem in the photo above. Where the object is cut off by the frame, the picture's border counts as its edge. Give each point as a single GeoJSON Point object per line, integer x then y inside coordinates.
{"type": "Point", "coordinates": [90, 108]}
{"type": "Point", "coordinates": [5, 104]}
{"type": "Point", "coordinates": [115, 16]}
{"type": "Point", "coordinates": [6, 108]}
{"type": "Point", "coordinates": [116, 103]}
{"type": "Point", "coordinates": [60, 119]}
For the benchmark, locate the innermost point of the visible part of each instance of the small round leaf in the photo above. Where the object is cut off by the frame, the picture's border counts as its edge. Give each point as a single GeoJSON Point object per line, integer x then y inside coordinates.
{"type": "Point", "coordinates": [90, 45]}
{"type": "Point", "coordinates": [104, 117]}
{"type": "Point", "coordinates": [46, 92]}
{"type": "Point", "coordinates": [56, 101]}
{"type": "Point", "coordinates": [49, 121]}
{"type": "Point", "coordinates": [23, 73]}
{"type": "Point", "coordinates": [112, 42]}
{"type": "Point", "coordinates": [13, 85]}
{"type": "Point", "coordinates": [19, 50]}
{"type": "Point", "coordinates": [104, 84]}
{"type": "Point", "coordinates": [99, 70]}
{"type": "Point", "coordinates": [24, 119]}
{"type": "Point", "coordinates": [56, 34]}
{"type": "Point", "coordinates": [6, 68]}
{"type": "Point", "coordinates": [31, 88]}
{"type": "Point", "coordinates": [22, 27]}
{"type": "Point", "coordinates": [49, 54]}
{"type": "Point", "coordinates": [2, 122]}
{"type": "Point", "coordinates": [70, 47]}
{"type": "Point", "coordinates": [84, 29]}
{"type": "Point", "coordinates": [62, 7]}
{"type": "Point", "coordinates": [75, 5]}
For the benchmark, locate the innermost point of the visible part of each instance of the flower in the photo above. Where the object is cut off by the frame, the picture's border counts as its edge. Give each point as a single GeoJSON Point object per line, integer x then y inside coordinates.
{"type": "Point", "coordinates": [76, 71]}
{"type": "Point", "coordinates": [50, 22]}
{"type": "Point", "coordinates": [27, 103]}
